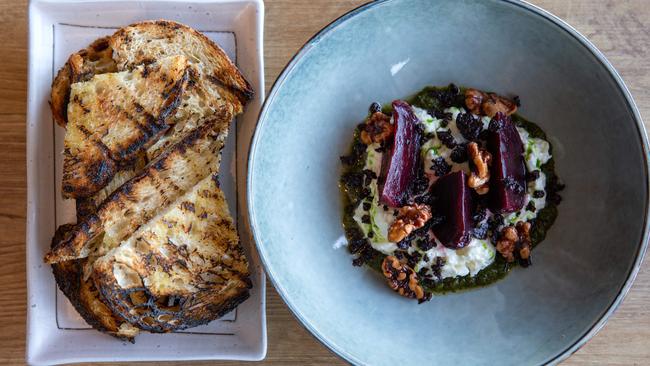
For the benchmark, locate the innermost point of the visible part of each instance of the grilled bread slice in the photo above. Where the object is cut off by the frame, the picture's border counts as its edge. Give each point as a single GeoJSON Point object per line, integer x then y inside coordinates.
{"type": "Point", "coordinates": [87, 205]}
{"type": "Point", "coordinates": [81, 66]}
{"type": "Point", "coordinates": [135, 202]}
{"type": "Point", "coordinates": [115, 116]}
{"type": "Point", "coordinates": [85, 297]}
{"type": "Point", "coordinates": [215, 82]}
{"type": "Point", "coordinates": [182, 269]}
{"type": "Point", "coordinates": [151, 40]}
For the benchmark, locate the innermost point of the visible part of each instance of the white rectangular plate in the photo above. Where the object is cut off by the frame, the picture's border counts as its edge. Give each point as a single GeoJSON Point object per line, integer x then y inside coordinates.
{"type": "Point", "coordinates": [57, 28]}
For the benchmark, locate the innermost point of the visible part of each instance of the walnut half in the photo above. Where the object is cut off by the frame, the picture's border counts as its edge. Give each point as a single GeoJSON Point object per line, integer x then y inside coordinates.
{"type": "Point", "coordinates": [402, 278]}
{"type": "Point", "coordinates": [515, 238]}
{"type": "Point", "coordinates": [480, 176]}
{"type": "Point", "coordinates": [506, 244]}
{"type": "Point", "coordinates": [410, 217]}
{"type": "Point", "coordinates": [488, 104]}
{"type": "Point", "coordinates": [376, 129]}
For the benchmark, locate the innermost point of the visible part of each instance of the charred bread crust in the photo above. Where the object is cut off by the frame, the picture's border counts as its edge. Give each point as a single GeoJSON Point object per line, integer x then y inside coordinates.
{"type": "Point", "coordinates": [228, 74]}
{"type": "Point", "coordinates": [93, 166]}
{"type": "Point", "coordinates": [153, 316]}
{"type": "Point", "coordinates": [202, 143]}
{"type": "Point", "coordinates": [69, 278]}
{"type": "Point", "coordinates": [77, 68]}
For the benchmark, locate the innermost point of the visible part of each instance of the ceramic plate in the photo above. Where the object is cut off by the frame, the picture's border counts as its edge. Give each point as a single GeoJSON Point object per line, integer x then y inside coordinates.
{"type": "Point", "coordinates": [55, 332]}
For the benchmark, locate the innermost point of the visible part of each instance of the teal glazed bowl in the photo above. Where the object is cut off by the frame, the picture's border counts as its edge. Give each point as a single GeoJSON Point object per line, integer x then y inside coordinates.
{"type": "Point", "coordinates": [390, 49]}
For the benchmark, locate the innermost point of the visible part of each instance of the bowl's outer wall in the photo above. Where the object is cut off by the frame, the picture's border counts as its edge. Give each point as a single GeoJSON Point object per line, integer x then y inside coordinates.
{"type": "Point", "coordinates": [390, 51]}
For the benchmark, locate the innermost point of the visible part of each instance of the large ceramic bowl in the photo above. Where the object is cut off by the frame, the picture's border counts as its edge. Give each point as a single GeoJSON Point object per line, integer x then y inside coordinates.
{"type": "Point", "coordinates": [388, 50]}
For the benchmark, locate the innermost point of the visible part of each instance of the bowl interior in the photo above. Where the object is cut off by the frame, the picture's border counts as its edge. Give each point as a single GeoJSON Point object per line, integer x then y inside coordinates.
{"type": "Point", "coordinates": [391, 50]}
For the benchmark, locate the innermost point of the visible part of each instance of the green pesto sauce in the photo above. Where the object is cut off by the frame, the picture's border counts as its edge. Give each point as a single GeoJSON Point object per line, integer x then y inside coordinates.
{"type": "Point", "coordinates": [499, 268]}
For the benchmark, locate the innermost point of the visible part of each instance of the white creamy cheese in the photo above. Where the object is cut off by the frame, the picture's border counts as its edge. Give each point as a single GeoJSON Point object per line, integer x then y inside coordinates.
{"type": "Point", "coordinates": [525, 215]}
{"type": "Point", "coordinates": [536, 151]}
{"type": "Point", "coordinates": [429, 123]}
{"type": "Point", "coordinates": [452, 127]}
{"type": "Point", "coordinates": [471, 259]}
{"type": "Point", "coordinates": [380, 219]}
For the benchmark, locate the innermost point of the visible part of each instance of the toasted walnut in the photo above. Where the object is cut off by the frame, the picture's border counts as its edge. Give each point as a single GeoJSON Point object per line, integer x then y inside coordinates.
{"type": "Point", "coordinates": [516, 238]}
{"type": "Point", "coordinates": [507, 242]}
{"type": "Point", "coordinates": [488, 104]}
{"type": "Point", "coordinates": [402, 278]}
{"type": "Point", "coordinates": [480, 175]}
{"type": "Point", "coordinates": [376, 129]}
{"type": "Point", "coordinates": [525, 244]}
{"type": "Point", "coordinates": [410, 217]}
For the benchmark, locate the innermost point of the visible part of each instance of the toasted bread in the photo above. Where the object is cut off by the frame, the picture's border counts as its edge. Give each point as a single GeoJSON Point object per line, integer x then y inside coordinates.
{"type": "Point", "coordinates": [87, 205]}
{"type": "Point", "coordinates": [85, 297]}
{"type": "Point", "coordinates": [154, 247]}
{"type": "Point", "coordinates": [151, 40]}
{"type": "Point", "coordinates": [215, 81]}
{"type": "Point", "coordinates": [81, 66]}
{"type": "Point", "coordinates": [182, 269]}
{"type": "Point", "coordinates": [115, 116]}
{"type": "Point", "coordinates": [137, 201]}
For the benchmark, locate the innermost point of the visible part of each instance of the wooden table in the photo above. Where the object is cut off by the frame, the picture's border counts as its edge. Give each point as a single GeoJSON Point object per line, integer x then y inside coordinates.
{"type": "Point", "coordinates": [620, 28]}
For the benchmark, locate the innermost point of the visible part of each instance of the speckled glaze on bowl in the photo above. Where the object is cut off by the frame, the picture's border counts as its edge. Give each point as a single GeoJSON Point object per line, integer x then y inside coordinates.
{"type": "Point", "coordinates": [388, 50]}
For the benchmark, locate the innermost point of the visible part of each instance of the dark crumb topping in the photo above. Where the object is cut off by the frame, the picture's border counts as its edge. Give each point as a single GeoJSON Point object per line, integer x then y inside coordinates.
{"type": "Point", "coordinates": [440, 167]}
{"type": "Point", "coordinates": [479, 214]}
{"type": "Point", "coordinates": [469, 126]}
{"type": "Point", "coordinates": [374, 108]}
{"type": "Point", "coordinates": [481, 231]}
{"type": "Point", "coordinates": [353, 182]}
{"type": "Point", "coordinates": [513, 185]}
{"type": "Point", "coordinates": [497, 122]}
{"type": "Point", "coordinates": [420, 184]}
{"type": "Point", "coordinates": [444, 116]}
{"type": "Point", "coordinates": [404, 243]}
{"type": "Point", "coordinates": [446, 97]}
{"type": "Point", "coordinates": [412, 259]}
{"type": "Point", "coordinates": [436, 268]}
{"type": "Point", "coordinates": [538, 194]}
{"type": "Point", "coordinates": [532, 176]}
{"type": "Point", "coordinates": [447, 139]}
{"type": "Point", "coordinates": [370, 174]}
{"type": "Point", "coordinates": [358, 150]}
{"type": "Point", "coordinates": [359, 246]}
{"type": "Point", "coordinates": [425, 245]}
{"type": "Point", "coordinates": [531, 206]}
{"type": "Point", "coordinates": [495, 221]}
{"type": "Point", "coordinates": [459, 154]}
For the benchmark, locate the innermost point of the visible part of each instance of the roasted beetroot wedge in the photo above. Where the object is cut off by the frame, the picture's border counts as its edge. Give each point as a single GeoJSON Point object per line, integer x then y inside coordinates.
{"type": "Point", "coordinates": [401, 167]}
{"type": "Point", "coordinates": [454, 202]}
{"type": "Point", "coordinates": [508, 173]}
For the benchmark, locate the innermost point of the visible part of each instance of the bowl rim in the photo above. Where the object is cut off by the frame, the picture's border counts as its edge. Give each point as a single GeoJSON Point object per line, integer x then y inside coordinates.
{"type": "Point", "coordinates": [535, 11]}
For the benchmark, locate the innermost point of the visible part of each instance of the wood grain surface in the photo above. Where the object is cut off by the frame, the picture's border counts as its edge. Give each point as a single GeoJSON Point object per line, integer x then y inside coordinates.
{"type": "Point", "coordinates": [618, 27]}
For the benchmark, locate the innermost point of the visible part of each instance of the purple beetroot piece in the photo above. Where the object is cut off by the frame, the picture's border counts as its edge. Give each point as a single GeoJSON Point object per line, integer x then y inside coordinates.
{"type": "Point", "coordinates": [454, 202]}
{"type": "Point", "coordinates": [508, 172]}
{"type": "Point", "coordinates": [401, 167]}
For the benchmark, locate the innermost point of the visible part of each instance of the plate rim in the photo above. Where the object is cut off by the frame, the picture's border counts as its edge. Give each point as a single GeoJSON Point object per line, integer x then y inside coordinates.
{"type": "Point", "coordinates": [535, 11]}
